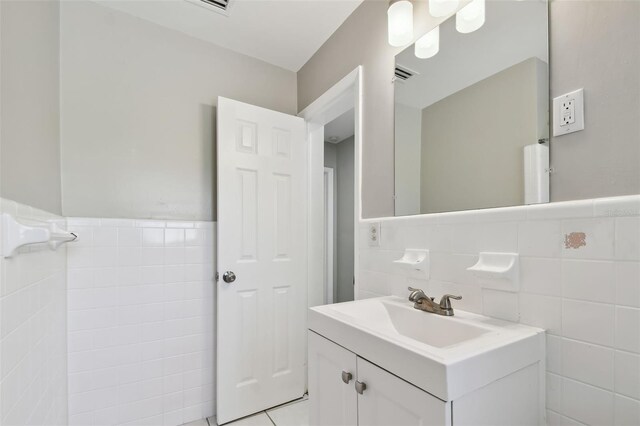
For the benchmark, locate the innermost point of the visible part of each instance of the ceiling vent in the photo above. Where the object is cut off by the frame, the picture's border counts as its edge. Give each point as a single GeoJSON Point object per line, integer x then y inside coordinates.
{"type": "Point", "coordinates": [219, 6]}
{"type": "Point", "coordinates": [403, 74]}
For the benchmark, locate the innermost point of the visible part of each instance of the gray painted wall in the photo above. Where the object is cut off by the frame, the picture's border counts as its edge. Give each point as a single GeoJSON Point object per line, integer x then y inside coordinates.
{"type": "Point", "coordinates": [345, 222]}
{"type": "Point", "coordinates": [407, 149]}
{"type": "Point", "coordinates": [473, 141]}
{"type": "Point", "coordinates": [593, 44]}
{"type": "Point", "coordinates": [138, 114]}
{"type": "Point", "coordinates": [596, 45]}
{"type": "Point", "coordinates": [29, 134]}
{"type": "Point", "coordinates": [340, 157]}
{"type": "Point", "coordinates": [331, 161]}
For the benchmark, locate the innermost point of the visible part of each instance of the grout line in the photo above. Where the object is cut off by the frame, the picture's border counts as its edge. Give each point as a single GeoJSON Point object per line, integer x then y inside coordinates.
{"type": "Point", "coordinates": [269, 417]}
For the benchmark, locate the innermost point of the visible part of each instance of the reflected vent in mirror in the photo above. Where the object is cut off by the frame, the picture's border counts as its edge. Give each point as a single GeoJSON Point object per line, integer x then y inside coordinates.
{"type": "Point", "coordinates": [403, 74]}
{"type": "Point", "coordinates": [220, 6]}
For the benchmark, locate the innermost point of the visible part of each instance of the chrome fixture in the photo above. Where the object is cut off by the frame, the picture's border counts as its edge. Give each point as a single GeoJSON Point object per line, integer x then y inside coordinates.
{"type": "Point", "coordinates": [425, 303]}
{"type": "Point", "coordinates": [346, 377]}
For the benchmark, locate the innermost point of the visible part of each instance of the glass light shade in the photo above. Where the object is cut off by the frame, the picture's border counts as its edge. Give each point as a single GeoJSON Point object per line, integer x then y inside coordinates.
{"type": "Point", "coordinates": [429, 44]}
{"type": "Point", "coordinates": [470, 17]}
{"type": "Point", "coordinates": [439, 8]}
{"type": "Point", "coordinates": [400, 20]}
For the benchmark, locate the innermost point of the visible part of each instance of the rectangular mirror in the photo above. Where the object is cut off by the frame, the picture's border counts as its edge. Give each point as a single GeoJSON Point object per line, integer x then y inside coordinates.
{"type": "Point", "coordinates": [472, 121]}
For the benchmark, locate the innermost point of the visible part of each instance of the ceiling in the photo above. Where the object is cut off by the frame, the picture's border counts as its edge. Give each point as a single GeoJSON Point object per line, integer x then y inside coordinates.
{"type": "Point", "coordinates": [285, 33]}
{"type": "Point", "coordinates": [513, 32]}
{"type": "Point", "coordinates": [341, 128]}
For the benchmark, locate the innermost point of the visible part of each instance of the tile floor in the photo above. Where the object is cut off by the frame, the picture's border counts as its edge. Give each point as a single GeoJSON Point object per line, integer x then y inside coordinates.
{"type": "Point", "coordinates": [294, 413]}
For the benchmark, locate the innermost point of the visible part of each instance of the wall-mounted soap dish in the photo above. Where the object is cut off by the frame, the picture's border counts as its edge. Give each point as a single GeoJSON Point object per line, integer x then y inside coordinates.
{"type": "Point", "coordinates": [17, 234]}
{"type": "Point", "coordinates": [414, 262]}
{"type": "Point", "coordinates": [498, 270]}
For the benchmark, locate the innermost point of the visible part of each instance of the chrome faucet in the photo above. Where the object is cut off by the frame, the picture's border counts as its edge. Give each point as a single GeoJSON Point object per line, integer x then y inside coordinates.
{"type": "Point", "coordinates": [425, 303]}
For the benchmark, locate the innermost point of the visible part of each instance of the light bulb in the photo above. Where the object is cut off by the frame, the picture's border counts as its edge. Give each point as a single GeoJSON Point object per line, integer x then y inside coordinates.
{"type": "Point", "coordinates": [400, 19]}
{"type": "Point", "coordinates": [438, 8]}
{"type": "Point", "coordinates": [429, 44]}
{"type": "Point", "coordinates": [470, 17]}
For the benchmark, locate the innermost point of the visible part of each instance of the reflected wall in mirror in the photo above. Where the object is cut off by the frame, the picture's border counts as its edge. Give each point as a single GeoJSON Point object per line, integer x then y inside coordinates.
{"type": "Point", "coordinates": [472, 122]}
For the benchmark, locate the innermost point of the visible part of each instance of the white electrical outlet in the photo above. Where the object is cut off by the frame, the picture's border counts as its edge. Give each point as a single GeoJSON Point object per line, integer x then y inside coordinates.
{"type": "Point", "coordinates": [373, 235]}
{"type": "Point", "coordinates": [568, 113]}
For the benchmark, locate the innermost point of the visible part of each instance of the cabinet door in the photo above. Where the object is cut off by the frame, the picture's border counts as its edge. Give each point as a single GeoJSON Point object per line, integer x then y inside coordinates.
{"type": "Point", "coordinates": [389, 400]}
{"type": "Point", "coordinates": [332, 400]}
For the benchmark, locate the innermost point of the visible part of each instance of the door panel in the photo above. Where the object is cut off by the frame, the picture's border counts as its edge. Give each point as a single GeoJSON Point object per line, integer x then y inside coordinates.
{"type": "Point", "coordinates": [389, 400]}
{"type": "Point", "coordinates": [332, 402]}
{"type": "Point", "coordinates": [262, 216]}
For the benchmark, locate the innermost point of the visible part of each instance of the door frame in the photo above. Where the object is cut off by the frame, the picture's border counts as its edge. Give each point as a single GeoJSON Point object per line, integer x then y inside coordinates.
{"type": "Point", "coordinates": [343, 96]}
{"type": "Point", "coordinates": [329, 232]}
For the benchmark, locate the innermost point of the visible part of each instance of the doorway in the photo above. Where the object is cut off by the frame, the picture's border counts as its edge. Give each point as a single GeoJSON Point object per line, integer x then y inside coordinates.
{"type": "Point", "coordinates": [343, 100]}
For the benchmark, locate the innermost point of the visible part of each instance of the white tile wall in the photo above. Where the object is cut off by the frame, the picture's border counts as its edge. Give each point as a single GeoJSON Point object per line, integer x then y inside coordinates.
{"type": "Point", "coordinates": [33, 330]}
{"type": "Point", "coordinates": [141, 322]}
{"type": "Point", "coordinates": [587, 298]}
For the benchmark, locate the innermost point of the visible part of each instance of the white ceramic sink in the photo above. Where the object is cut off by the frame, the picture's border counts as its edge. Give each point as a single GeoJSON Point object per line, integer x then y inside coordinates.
{"type": "Point", "coordinates": [446, 356]}
{"type": "Point", "coordinates": [433, 330]}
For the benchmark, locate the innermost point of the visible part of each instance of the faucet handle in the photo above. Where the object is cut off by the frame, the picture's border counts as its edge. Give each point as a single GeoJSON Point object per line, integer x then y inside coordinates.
{"type": "Point", "coordinates": [416, 294]}
{"type": "Point", "coordinates": [445, 303]}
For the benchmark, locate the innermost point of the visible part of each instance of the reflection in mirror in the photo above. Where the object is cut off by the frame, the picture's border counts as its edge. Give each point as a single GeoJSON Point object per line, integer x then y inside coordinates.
{"type": "Point", "coordinates": [472, 122]}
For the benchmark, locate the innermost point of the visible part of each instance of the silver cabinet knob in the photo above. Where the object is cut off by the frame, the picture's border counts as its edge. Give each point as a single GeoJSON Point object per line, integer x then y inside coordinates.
{"type": "Point", "coordinates": [346, 377]}
{"type": "Point", "coordinates": [360, 387]}
{"type": "Point", "coordinates": [229, 277]}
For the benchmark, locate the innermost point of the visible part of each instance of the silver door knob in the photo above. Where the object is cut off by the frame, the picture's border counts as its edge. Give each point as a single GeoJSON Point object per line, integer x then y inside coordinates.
{"type": "Point", "coordinates": [346, 377]}
{"type": "Point", "coordinates": [360, 387]}
{"type": "Point", "coordinates": [229, 277]}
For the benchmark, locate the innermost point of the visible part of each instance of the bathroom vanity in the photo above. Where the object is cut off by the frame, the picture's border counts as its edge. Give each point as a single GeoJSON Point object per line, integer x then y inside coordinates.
{"type": "Point", "coordinates": [381, 362]}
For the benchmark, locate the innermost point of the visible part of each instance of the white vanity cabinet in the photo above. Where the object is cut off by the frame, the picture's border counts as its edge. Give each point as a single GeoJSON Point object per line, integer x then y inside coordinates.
{"type": "Point", "coordinates": [347, 390]}
{"type": "Point", "coordinates": [386, 399]}
{"type": "Point", "coordinates": [421, 368]}
{"type": "Point", "coordinates": [332, 374]}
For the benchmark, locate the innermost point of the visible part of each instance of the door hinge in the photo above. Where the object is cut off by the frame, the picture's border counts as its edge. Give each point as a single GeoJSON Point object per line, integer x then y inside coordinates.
{"type": "Point", "coordinates": [217, 276]}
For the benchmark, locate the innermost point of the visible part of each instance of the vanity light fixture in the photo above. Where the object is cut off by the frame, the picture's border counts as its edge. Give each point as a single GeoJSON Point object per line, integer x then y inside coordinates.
{"type": "Point", "coordinates": [438, 8]}
{"type": "Point", "coordinates": [470, 17]}
{"type": "Point", "coordinates": [400, 21]}
{"type": "Point", "coordinates": [429, 44]}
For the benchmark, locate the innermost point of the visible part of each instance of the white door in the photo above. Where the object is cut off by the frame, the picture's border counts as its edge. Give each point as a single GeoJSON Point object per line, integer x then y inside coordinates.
{"type": "Point", "coordinates": [332, 374]}
{"type": "Point", "coordinates": [262, 240]}
{"type": "Point", "coordinates": [388, 400]}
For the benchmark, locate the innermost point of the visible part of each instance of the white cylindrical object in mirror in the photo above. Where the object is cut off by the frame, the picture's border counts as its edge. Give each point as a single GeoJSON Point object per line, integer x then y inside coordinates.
{"type": "Point", "coordinates": [536, 174]}
{"type": "Point", "coordinates": [438, 8]}
{"type": "Point", "coordinates": [471, 17]}
{"type": "Point", "coordinates": [400, 22]}
{"type": "Point", "coordinates": [429, 44]}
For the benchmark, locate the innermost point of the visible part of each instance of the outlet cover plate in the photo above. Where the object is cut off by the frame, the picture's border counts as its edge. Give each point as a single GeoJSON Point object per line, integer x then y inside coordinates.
{"type": "Point", "coordinates": [568, 113]}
